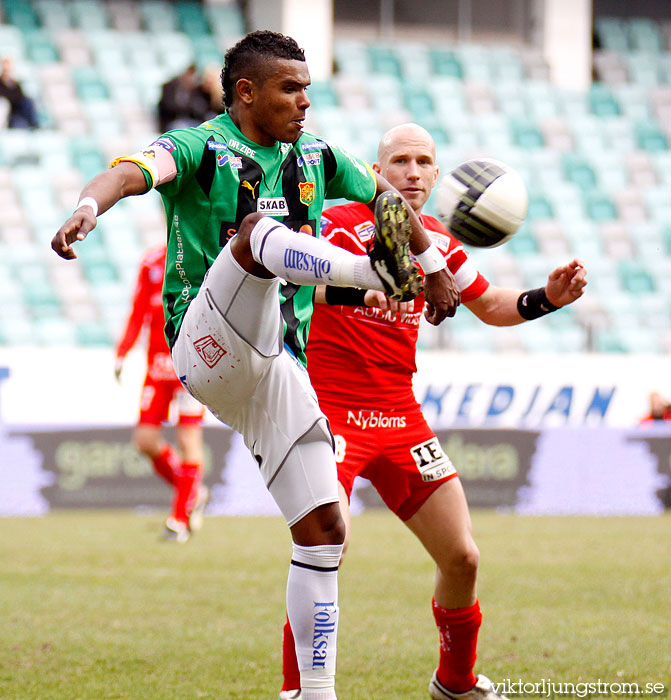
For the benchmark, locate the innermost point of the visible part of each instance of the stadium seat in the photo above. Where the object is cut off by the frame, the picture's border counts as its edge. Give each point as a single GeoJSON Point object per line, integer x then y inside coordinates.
{"type": "Point", "coordinates": [635, 278]}
{"type": "Point", "coordinates": [445, 63]}
{"type": "Point", "coordinates": [599, 207]}
{"type": "Point", "coordinates": [93, 334]}
{"type": "Point", "coordinates": [384, 60]}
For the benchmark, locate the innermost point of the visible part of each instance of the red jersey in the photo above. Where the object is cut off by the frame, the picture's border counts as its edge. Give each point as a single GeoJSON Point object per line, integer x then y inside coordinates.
{"type": "Point", "coordinates": [147, 312]}
{"type": "Point", "coordinates": [364, 356]}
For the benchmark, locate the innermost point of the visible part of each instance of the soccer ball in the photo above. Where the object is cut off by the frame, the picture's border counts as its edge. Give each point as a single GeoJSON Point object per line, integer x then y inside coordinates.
{"type": "Point", "coordinates": [482, 202]}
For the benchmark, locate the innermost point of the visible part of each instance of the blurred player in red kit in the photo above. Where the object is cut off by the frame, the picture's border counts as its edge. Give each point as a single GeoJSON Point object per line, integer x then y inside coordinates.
{"type": "Point", "coordinates": [161, 387]}
{"type": "Point", "coordinates": [379, 430]}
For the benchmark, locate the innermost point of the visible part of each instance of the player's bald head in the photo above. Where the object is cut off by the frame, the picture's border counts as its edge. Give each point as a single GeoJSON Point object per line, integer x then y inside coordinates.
{"type": "Point", "coordinates": [403, 135]}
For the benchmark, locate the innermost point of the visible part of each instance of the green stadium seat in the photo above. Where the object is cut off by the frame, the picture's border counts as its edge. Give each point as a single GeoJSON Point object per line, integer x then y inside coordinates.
{"type": "Point", "coordinates": [611, 33]}
{"type": "Point", "coordinates": [599, 207]}
{"type": "Point", "coordinates": [383, 60]}
{"type": "Point", "coordinates": [446, 63]}
{"type": "Point", "coordinates": [602, 102]}
{"type": "Point", "coordinates": [526, 134]}
{"type": "Point", "coordinates": [578, 171]}
{"type": "Point", "coordinates": [539, 207]}
{"type": "Point", "coordinates": [322, 94]}
{"type": "Point", "coordinates": [523, 243]}
{"type": "Point", "coordinates": [645, 35]}
{"type": "Point", "coordinates": [158, 16]}
{"type": "Point", "coordinates": [21, 15]}
{"type": "Point", "coordinates": [40, 48]}
{"type": "Point", "coordinates": [650, 137]}
{"type": "Point", "coordinates": [89, 15]}
{"type": "Point", "coordinates": [89, 85]}
{"type": "Point", "coordinates": [418, 101]}
{"type": "Point", "coordinates": [225, 19]}
{"type": "Point", "coordinates": [191, 20]}
{"type": "Point", "coordinates": [635, 278]}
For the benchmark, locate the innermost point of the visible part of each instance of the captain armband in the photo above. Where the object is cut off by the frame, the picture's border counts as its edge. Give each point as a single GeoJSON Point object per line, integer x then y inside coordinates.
{"type": "Point", "coordinates": [534, 304]}
{"type": "Point", "coordinates": [345, 296]}
{"type": "Point", "coordinates": [155, 160]}
{"type": "Point", "coordinates": [431, 260]}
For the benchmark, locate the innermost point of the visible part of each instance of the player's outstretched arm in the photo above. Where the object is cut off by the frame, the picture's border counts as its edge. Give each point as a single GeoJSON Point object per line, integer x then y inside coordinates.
{"type": "Point", "coordinates": [101, 193]}
{"type": "Point", "coordinates": [440, 288]}
{"type": "Point", "coordinates": [499, 306]}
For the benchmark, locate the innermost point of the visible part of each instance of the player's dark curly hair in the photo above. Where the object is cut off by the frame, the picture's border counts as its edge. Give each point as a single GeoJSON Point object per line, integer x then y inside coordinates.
{"type": "Point", "coordinates": [249, 57]}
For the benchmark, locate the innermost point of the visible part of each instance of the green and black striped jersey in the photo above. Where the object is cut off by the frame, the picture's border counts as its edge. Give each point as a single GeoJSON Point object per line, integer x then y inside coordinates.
{"type": "Point", "coordinates": [223, 176]}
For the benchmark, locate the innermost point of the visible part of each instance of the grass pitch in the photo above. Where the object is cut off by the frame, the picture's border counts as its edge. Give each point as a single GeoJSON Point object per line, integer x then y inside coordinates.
{"type": "Point", "coordinates": [94, 606]}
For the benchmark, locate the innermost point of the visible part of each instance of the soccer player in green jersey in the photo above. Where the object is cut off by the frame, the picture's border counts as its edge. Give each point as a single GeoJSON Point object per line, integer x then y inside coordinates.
{"type": "Point", "coordinates": [243, 195]}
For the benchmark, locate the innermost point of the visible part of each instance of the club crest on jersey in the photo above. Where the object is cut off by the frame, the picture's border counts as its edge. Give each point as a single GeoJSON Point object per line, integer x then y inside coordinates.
{"type": "Point", "coordinates": [307, 192]}
{"type": "Point", "coordinates": [272, 206]}
{"type": "Point", "coordinates": [209, 350]}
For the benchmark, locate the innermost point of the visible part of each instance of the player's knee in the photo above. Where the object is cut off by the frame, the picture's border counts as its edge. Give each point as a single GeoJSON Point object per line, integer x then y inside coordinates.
{"type": "Point", "coordinates": [245, 229]}
{"type": "Point", "coordinates": [323, 525]}
{"type": "Point", "coordinates": [241, 246]}
{"type": "Point", "coordinates": [462, 562]}
{"type": "Point", "coordinates": [331, 524]}
{"type": "Point", "coordinates": [468, 560]}
{"type": "Point", "coordinates": [146, 443]}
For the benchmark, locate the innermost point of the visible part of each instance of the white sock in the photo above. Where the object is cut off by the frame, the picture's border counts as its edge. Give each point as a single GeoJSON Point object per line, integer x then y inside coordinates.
{"type": "Point", "coordinates": [312, 606]}
{"type": "Point", "coordinates": [302, 259]}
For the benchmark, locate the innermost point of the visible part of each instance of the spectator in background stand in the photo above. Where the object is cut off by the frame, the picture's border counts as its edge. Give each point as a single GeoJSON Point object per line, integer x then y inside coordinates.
{"type": "Point", "coordinates": [211, 93]}
{"type": "Point", "coordinates": [660, 410]}
{"type": "Point", "coordinates": [185, 102]}
{"type": "Point", "coordinates": [22, 111]}
{"type": "Point", "coordinates": [160, 388]}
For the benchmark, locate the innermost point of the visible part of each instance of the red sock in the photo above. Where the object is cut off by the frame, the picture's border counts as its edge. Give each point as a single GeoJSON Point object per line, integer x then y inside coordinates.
{"type": "Point", "coordinates": [292, 676]}
{"type": "Point", "coordinates": [458, 629]}
{"type": "Point", "coordinates": [187, 477]}
{"type": "Point", "coordinates": [166, 464]}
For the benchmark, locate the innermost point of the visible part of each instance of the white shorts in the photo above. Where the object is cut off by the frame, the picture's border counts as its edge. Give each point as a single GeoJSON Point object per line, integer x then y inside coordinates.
{"type": "Point", "coordinates": [230, 356]}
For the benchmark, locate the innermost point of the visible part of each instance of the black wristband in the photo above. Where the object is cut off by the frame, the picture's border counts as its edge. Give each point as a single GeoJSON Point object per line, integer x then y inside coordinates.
{"type": "Point", "coordinates": [534, 304]}
{"type": "Point", "coordinates": [345, 296]}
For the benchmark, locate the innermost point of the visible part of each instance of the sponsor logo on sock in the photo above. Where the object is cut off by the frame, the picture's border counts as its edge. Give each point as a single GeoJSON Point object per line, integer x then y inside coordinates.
{"type": "Point", "coordinates": [325, 618]}
{"type": "Point", "coordinates": [297, 260]}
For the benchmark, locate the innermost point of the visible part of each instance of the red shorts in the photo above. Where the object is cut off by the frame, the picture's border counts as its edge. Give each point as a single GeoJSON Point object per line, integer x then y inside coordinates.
{"type": "Point", "coordinates": [396, 451]}
{"type": "Point", "coordinates": [155, 403]}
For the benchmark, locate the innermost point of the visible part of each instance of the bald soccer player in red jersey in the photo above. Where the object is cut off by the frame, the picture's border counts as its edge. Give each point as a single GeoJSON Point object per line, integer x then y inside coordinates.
{"type": "Point", "coordinates": [380, 432]}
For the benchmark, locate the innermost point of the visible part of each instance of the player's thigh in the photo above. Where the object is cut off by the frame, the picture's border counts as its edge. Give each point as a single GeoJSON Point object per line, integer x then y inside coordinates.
{"type": "Point", "coordinates": [443, 526]}
{"type": "Point", "coordinates": [412, 464]}
{"type": "Point", "coordinates": [155, 401]}
{"type": "Point", "coordinates": [306, 479]}
{"type": "Point", "coordinates": [229, 336]}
